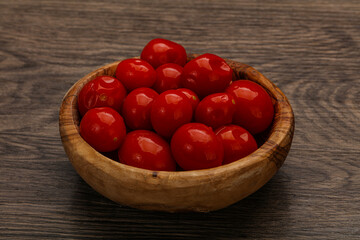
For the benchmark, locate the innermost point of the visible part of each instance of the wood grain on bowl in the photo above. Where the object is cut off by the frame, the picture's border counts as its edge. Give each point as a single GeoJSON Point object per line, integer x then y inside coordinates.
{"type": "Point", "coordinates": [201, 190]}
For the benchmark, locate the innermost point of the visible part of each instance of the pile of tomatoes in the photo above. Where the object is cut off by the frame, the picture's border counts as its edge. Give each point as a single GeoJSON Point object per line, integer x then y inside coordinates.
{"type": "Point", "coordinates": [163, 113]}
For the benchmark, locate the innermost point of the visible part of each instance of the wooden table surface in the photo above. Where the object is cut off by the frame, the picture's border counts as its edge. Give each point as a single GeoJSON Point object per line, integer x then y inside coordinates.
{"type": "Point", "coordinates": [310, 49]}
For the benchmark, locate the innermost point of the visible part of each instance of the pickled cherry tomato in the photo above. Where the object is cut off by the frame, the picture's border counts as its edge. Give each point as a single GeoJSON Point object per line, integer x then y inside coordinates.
{"type": "Point", "coordinates": [170, 110]}
{"type": "Point", "coordinates": [103, 91]}
{"type": "Point", "coordinates": [237, 142]}
{"type": "Point", "coordinates": [206, 74]}
{"type": "Point", "coordinates": [254, 108]}
{"type": "Point", "coordinates": [195, 146]}
{"type": "Point", "coordinates": [135, 73]}
{"type": "Point", "coordinates": [160, 51]}
{"type": "Point", "coordinates": [215, 110]}
{"type": "Point", "coordinates": [194, 99]}
{"type": "Point", "coordinates": [147, 150]}
{"type": "Point", "coordinates": [168, 76]}
{"type": "Point", "coordinates": [103, 128]}
{"type": "Point", "coordinates": [137, 106]}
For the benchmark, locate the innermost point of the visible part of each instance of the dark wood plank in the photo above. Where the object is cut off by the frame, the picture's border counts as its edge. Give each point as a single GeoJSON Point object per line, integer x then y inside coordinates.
{"type": "Point", "coordinates": [310, 49]}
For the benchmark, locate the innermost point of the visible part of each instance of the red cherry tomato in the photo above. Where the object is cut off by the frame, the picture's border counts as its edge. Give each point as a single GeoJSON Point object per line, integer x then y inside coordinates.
{"type": "Point", "coordinates": [103, 91]}
{"type": "Point", "coordinates": [160, 51]}
{"type": "Point", "coordinates": [135, 73]}
{"type": "Point", "coordinates": [254, 108]}
{"type": "Point", "coordinates": [169, 111]}
{"type": "Point", "coordinates": [146, 149]}
{"type": "Point", "coordinates": [215, 110]}
{"type": "Point", "coordinates": [103, 128]}
{"type": "Point", "coordinates": [168, 77]}
{"type": "Point", "coordinates": [237, 142]}
{"type": "Point", "coordinates": [194, 99]}
{"type": "Point", "coordinates": [195, 146]}
{"type": "Point", "coordinates": [137, 106]}
{"type": "Point", "coordinates": [207, 74]}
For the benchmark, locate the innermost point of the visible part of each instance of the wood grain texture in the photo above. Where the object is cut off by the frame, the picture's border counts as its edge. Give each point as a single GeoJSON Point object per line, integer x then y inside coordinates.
{"type": "Point", "coordinates": [310, 49]}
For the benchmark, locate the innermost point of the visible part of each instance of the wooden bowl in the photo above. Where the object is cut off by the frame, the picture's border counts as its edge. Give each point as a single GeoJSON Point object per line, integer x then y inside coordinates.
{"type": "Point", "coordinates": [200, 190]}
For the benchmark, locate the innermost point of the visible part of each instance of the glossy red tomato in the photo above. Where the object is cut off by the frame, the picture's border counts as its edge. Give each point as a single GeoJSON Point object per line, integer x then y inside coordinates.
{"type": "Point", "coordinates": [194, 99]}
{"type": "Point", "coordinates": [168, 76]}
{"type": "Point", "coordinates": [216, 110]}
{"type": "Point", "coordinates": [195, 146]}
{"type": "Point", "coordinates": [207, 74]}
{"type": "Point", "coordinates": [103, 128]}
{"type": "Point", "coordinates": [237, 142]}
{"type": "Point", "coordinates": [137, 106]}
{"type": "Point", "coordinates": [254, 108]}
{"type": "Point", "coordinates": [146, 149]}
{"type": "Point", "coordinates": [160, 51]}
{"type": "Point", "coordinates": [135, 73]}
{"type": "Point", "coordinates": [103, 91]}
{"type": "Point", "coordinates": [169, 111]}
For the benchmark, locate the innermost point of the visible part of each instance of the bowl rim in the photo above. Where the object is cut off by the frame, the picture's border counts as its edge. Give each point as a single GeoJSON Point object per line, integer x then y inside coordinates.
{"type": "Point", "coordinates": [282, 125]}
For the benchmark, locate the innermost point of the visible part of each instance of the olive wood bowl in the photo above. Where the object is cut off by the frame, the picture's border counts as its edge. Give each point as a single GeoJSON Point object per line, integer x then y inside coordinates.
{"type": "Point", "coordinates": [198, 191]}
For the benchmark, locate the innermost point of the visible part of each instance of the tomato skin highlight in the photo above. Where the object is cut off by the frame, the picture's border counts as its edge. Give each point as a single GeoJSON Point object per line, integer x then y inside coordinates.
{"type": "Point", "coordinates": [215, 110]}
{"type": "Point", "coordinates": [135, 73]}
{"type": "Point", "coordinates": [194, 99]}
{"type": "Point", "coordinates": [170, 110]}
{"type": "Point", "coordinates": [254, 108]}
{"type": "Point", "coordinates": [103, 91]}
{"type": "Point", "coordinates": [237, 142]}
{"type": "Point", "coordinates": [168, 76]}
{"type": "Point", "coordinates": [103, 128]}
{"type": "Point", "coordinates": [160, 51]}
{"type": "Point", "coordinates": [207, 74]}
{"type": "Point", "coordinates": [195, 146]}
{"type": "Point", "coordinates": [137, 108]}
{"type": "Point", "coordinates": [147, 150]}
